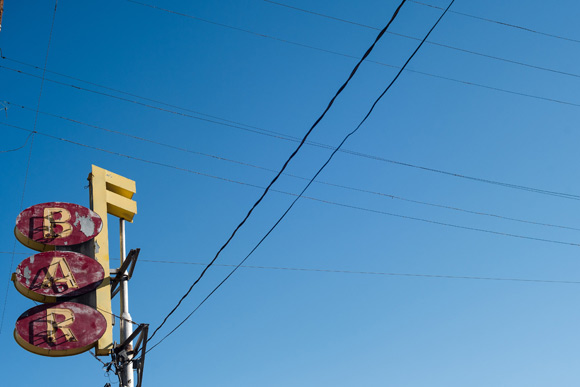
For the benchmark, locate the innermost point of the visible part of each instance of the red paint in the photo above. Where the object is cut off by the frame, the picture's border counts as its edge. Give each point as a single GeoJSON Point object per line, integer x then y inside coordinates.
{"type": "Point", "coordinates": [87, 274]}
{"type": "Point", "coordinates": [88, 326]}
{"type": "Point", "coordinates": [83, 223]}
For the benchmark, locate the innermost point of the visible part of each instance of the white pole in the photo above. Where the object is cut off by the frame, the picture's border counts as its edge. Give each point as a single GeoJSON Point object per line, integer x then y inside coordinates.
{"type": "Point", "coordinates": [125, 325]}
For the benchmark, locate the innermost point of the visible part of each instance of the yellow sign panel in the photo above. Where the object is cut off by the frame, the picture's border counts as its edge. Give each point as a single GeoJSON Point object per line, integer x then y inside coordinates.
{"type": "Point", "coordinates": [110, 194]}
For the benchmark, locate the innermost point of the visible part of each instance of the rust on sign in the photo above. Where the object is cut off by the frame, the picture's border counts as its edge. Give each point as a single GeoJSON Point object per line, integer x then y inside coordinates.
{"type": "Point", "coordinates": [49, 276]}
{"type": "Point", "coordinates": [61, 329]}
{"type": "Point", "coordinates": [44, 226]}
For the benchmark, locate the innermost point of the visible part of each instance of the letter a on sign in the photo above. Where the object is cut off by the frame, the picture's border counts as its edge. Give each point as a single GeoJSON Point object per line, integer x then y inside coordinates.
{"type": "Point", "coordinates": [54, 275]}
{"type": "Point", "coordinates": [53, 279]}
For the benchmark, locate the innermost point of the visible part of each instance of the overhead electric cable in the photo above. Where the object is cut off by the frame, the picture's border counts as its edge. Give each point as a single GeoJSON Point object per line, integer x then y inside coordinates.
{"type": "Point", "coordinates": [264, 132]}
{"type": "Point", "coordinates": [118, 317]}
{"type": "Point", "coordinates": [133, 157]}
{"type": "Point", "coordinates": [378, 273]}
{"type": "Point", "coordinates": [96, 357]}
{"type": "Point", "coordinates": [372, 273]}
{"type": "Point", "coordinates": [305, 197]}
{"type": "Point", "coordinates": [14, 245]}
{"type": "Point", "coordinates": [354, 57]}
{"type": "Point", "coordinates": [157, 8]}
{"type": "Point", "coordinates": [255, 205]}
{"type": "Point", "coordinates": [428, 42]}
{"type": "Point", "coordinates": [500, 22]}
{"type": "Point", "coordinates": [441, 223]}
{"type": "Point", "coordinates": [29, 155]}
{"type": "Point", "coordinates": [313, 177]}
{"type": "Point", "coordinates": [555, 100]}
{"type": "Point", "coordinates": [268, 133]}
{"type": "Point", "coordinates": [381, 194]}
{"type": "Point", "coordinates": [140, 138]}
{"type": "Point", "coordinates": [325, 146]}
{"type": "Point", "coordinates": [20, 147]}
{"type": "Point", "coordinates": [145, 99]}
{"type": "Point", "coordinates": [290, 138]}
{"type": "Point", "coordinates": [350, 56]}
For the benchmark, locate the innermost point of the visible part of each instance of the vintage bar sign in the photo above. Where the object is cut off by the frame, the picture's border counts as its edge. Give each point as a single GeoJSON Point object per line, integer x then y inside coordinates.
{"type": "Point", "coordinates": [44, 226]}
{"type": "Point", "coordinates": [52, 275]}
{"type": "Point", "coordinates": [61, 329]}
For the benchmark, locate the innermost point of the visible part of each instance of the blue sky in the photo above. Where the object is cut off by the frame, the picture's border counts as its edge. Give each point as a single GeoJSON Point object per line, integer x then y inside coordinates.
{"type": "Point", "coordinates": [197, 84]}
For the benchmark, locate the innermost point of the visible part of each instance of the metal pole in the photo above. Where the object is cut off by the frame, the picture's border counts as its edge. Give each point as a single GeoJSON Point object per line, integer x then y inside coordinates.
{"type": "Point", "coordinates": [125, 325]}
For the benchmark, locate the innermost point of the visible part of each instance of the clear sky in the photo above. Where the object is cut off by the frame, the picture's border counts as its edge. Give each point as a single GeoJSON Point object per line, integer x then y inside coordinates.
{"type": "Point", "coordinates": [216, 98]}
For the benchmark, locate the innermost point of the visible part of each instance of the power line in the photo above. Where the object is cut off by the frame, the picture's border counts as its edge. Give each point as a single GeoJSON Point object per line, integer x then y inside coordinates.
{"type": "Point", "coordinates": [315, 175]}
{"type": "Point", "coordinates": [96, 357]}
{"type": "Point", "coordinates": [289, 138]}
{"type": "Point", "coordinates": [255, 205]}
{"type": "Point", "coordinates": [155, 7]}
{"type": "Point", "coordinates": [555, 100]}
{"type": "Point", "coordinates": [140, 138]}
{"type": "Point", "coordinates": [424, 220]}
{"type": "Point", "coordinates": [145, 99]}
{"type": "Point", "coordinates": [118, 317]}
{"type": "Point", "coordinates": [448, 207]}
{"type": "Point", "coordinates": [20, 147]}
{"type": "Point", "coordinates": [106, 367]}
{"type": "Point", "coordinates": [14, 245]}
{"type": "Point", "coordinates": [265, 133]}
{"type": "Point", "coordinates": [381, 194]}
{"type": "Point", "coordinates": [377, 273]}
{"type": "Point", "coordinates": [31, 135]}
{"type": "Point", "coordinates": [45, 64]}
{"type": "Point", "coordinates": [445, 224]}
{"type": "Point", "coordinates": [428, 42]}
{"type": "Point", "coordinates": [134, 157]}
{"type": "Point", "coordinates": [500, 23]}
{"type": "Point", "coordinates": [355, 153]}
{"type": "Point", "coordinates": [357, 272]}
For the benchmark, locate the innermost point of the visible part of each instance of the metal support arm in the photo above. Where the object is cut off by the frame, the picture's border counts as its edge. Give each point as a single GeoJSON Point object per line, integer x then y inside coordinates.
{"type": "Point", "coordinates": [123, 355]}
{"type": "Point", "coordinates": [128, 267]}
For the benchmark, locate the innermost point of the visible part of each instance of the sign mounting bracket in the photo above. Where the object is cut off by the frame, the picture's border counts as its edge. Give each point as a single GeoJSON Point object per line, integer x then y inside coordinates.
{"type": "Point", "coordinates": [126, 270]}
{"type": "Point", "coordinates": [123, 354]}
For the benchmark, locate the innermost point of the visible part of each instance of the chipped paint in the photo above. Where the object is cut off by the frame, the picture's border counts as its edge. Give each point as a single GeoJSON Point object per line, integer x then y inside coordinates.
{"type": "Point", "coordinates": [39, 231]}
{"type": "Point", "coordinates": [56, 274]}
{"type": "Point", "coordinates": [27, 275]}
{"type": "Point", "coordinates": [87, 326]}
{"type": "Point", "coordinates": [86, 223]}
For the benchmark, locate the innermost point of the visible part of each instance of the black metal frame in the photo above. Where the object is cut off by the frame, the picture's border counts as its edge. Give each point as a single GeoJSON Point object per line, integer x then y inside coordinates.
{"type": "Point", "coordinates": [125, 268]}
{"type": "Point", "coordinates": [123, 353]}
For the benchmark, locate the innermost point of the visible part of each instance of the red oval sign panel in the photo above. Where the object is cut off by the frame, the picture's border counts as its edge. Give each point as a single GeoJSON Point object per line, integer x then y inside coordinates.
{"type": "Point", "coordinates": [62, 329]}
{"type": "Point", "coordinates": [47, 276]}
{"type": "Point", "coordinates": [43, 226]}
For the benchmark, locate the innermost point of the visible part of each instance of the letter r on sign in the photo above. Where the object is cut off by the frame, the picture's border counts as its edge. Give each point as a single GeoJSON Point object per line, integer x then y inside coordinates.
{"type": "Point", "coordinates": [52, 325]}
